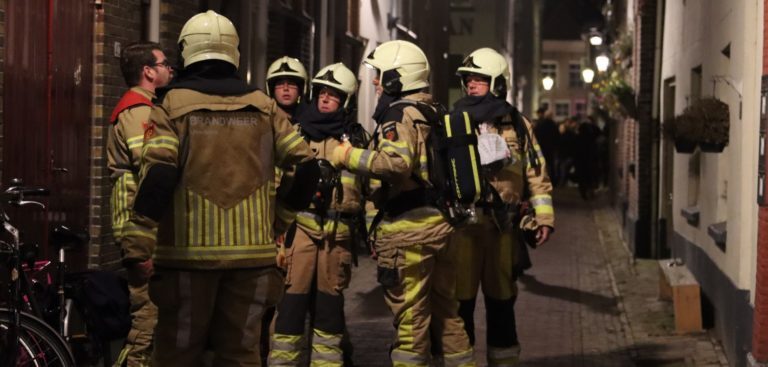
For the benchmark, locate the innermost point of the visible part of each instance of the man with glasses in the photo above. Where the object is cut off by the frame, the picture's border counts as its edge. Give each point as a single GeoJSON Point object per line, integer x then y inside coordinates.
{"type": "Point", "coordinates": [145, 69]}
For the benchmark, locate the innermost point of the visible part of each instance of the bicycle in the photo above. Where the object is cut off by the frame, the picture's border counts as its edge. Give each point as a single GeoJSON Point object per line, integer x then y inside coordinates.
{"type": "Point", "coordinates": [25, 339]}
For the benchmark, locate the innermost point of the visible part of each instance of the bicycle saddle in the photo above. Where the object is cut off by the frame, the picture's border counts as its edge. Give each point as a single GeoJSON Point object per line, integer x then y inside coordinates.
{"type": "Point", "coordinates": [67, 238]}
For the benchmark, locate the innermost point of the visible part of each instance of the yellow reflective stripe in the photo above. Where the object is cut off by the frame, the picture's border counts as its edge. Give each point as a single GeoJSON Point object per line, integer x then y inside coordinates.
{"type": "Point", "coordinates": [286, 349]}
{"type": "Point", "coordinates": [411, 281]}
{"type": "Point", "coordinates": [312, 222]}
{"type": "Point", "coordinates": [135, 142]}
{"type": "Point", "coordinates": [402, 152]}
{"type": "Point", "coordinates": [279, 357]}
{"type": "Point", "coordinates": [544, 209]}
{"type": "Point", "coordinates": [448, 131]}
{"type": "Point", "coordinates": [348, 178]}
{"type": "Point", "coordinates": [423, 167]}
{"type": "Point", "coordinates": [360, 159]}
{"type": "Point", "coordinates": [146, 233]}
{"type": "Point", "coordinates": [463, 359]}
{"type": "Point", "coordinates": [542, 203]}
{"type": "Point", "coordinates": [326, 349]}
{"type": "Point", "coordinates": [284, 213]}
{"type": "Point", "coordinates": [374, 184]}
{"type": "Point", "coordinates": [287, 143]}
{"type": "Point", "coordinates": [216, 252]}
{"type": "Point", "coordinates": [414, 220]}
{"type": "Point", "coordinates": [473, 156]}
{"type": "Point", "coordinates": [204, 223]}
{"type": "Point", "coordinates": [166, 142]}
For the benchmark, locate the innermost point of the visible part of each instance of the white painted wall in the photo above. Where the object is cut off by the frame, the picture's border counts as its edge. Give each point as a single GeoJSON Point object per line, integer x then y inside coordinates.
{"type": "Point", "coordinates": [373, 28]}
{"type": "Point", "coordinates": [695, 32]}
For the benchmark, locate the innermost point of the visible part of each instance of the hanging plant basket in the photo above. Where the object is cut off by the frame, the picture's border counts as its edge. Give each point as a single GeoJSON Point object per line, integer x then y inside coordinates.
{"type": "Point", "coordinates": [685, 146]}
{"type": "Point", "coordinates": [681, 130]}
{"type": "Point", "coordinates": [713, 123]}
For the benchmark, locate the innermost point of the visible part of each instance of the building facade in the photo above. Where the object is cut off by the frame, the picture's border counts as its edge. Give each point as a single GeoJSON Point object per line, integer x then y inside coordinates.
{"type": "Point", "coordinates": [61, 60]}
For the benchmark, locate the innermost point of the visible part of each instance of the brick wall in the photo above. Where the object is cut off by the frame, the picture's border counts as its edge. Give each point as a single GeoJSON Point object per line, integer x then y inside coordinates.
{"type": "Point", "coordinates": [760, 323]}
{"type": "Point", "coordinates": [118, 22]}
{"type": "Point", "coordinates": [640, 134]}
{"type": "Point", "coordinates": [173, 15]}
{"type": "Point", "coordinates": [2, 80]}
{"type": "Point", "coordinates": [115, 22]}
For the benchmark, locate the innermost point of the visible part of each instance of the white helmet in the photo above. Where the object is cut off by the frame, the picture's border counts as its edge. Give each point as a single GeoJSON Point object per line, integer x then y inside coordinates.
{"type": "Point", "coordinates": [209, 36]}
{"type": "Point", "coordinates": [286, 68]}
{"type": "Point", "coordinates": [402, 66]}
{"type": "Point", "coordinates": [487, 62]}
{"type": "Point", "coordinates": [338, 77]}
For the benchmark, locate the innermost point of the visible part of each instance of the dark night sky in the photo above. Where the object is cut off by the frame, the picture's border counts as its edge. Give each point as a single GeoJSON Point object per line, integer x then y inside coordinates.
{"type": "Point", "coordinates": [567, 19]}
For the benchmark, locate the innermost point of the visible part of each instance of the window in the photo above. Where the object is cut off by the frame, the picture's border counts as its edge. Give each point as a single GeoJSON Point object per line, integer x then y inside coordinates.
{"type": "Point", "coordinates": [549, 68]}
{"type": "Point", "coordinates": [695, 93]}
{"type": "Point", "coordinates": [562, 109]}
{"type": "Point", "coordinates": [574, 75]}
{"type": "Point", "coordinates": [580, 108]}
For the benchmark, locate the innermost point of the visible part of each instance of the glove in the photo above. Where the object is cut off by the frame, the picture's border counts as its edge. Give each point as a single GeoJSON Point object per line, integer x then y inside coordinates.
{"type": "Point", "coordinates": [340, 153]}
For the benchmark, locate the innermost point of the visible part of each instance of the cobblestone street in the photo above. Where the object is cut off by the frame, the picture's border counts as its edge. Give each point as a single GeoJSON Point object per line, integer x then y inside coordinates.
{"type": "Point", "coordinates": [585, 302]}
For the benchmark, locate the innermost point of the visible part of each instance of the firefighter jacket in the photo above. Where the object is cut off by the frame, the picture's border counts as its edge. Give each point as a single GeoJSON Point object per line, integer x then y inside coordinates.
{"type": "Point", "coordinates": [396, 162]}
{"type": "Point", "coordinates": [124, 142]}
{"type": "Point", "coordinates": [342, 201]}
{"type": "Point", "coordinates": [511, 179]}
{"type": "Point", "coordinates": [220, 154]}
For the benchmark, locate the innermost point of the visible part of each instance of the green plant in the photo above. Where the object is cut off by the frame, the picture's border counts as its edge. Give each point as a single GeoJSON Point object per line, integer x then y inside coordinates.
{"type": "Point", "coordinates": [615, 95]}
{"type": "Point", "coordinates": [680, 127]}
{"type": "Point", "coordinates": [712, 119]}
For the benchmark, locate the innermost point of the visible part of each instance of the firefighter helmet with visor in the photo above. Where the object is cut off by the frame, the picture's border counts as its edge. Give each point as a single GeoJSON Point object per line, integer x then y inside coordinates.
{"type": "Point", "coordinates": [488, 63]}
{"type": "Point", "coordinates": [401, 66]}
{"type": "Point", "coordinates": [209, 36]}
{"type": "Point", "coordinates": [338, 77]}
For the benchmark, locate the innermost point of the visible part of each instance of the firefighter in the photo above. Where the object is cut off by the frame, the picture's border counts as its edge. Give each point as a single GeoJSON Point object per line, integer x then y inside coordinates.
{"type": "Point", "coordinates": [512, 165]}
{"type": "Point", "coordinates": [203, 215]}
{"type": "Point", "coordinates": [414, 263]}
{"type": "Point", "coordinates": [287, 83]}
{"type": "Point", "coordinates": [144, 69]}
{"type": "Point", "coordinates": [316, 253]}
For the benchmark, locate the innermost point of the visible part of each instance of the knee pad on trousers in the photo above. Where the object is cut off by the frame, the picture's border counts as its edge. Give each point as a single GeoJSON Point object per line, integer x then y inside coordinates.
{"type": "Point", "coordinates": [467, 313]}
{"type": "Point", "coordinates": [329, 313]}
{"type": "Point", "coordinates": [291, 314]}
{"type": "Point", "coordinates": [502, 327]}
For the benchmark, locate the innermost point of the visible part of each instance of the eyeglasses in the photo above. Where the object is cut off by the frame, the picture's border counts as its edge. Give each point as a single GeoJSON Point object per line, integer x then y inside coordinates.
{"type": "Point", "coordinates": [163, 63]}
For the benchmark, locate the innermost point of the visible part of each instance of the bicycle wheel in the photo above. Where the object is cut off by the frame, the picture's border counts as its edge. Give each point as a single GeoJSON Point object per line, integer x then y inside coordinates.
{"type": "Point", "coordinates": [39, 344]}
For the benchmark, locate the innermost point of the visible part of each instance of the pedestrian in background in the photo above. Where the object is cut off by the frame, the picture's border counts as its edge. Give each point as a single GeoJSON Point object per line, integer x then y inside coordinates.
{"type": "Point", "coordinates": [547, 134]}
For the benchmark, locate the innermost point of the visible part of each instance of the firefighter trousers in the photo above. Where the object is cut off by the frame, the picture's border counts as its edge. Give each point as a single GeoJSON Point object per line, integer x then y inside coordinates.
{"type": "Point", "coordinates": [422, 299]}
{"type": "Point", "coordinates": [137, 351]}
{"type": "Point", "coordinates": [486, 257]}
{"type": "Point", "coordinates": [317, 272]}
{"type": "Point", "coordinates": [218, 310]}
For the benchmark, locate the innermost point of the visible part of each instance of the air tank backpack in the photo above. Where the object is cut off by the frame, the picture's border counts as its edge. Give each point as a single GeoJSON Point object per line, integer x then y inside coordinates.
{"type": "Point", "coordinates": [453, 161]}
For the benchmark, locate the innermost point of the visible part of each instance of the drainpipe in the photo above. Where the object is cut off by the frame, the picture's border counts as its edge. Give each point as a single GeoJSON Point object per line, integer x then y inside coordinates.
{"type": "Point", "coordinates": [759, 354]}
{"type": "Point", "coordinates": [153, 26]}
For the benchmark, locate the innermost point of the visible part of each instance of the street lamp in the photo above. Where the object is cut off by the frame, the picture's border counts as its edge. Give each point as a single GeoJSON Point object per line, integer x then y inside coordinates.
{"type": "Point", "coordinates": [588, 75]}
{"type": "Point", "coordinates": [602, 62]}
{"type": "Point", "coordinates": [547, 83]}
{"type": "Point", "coordinates": [595, 38]}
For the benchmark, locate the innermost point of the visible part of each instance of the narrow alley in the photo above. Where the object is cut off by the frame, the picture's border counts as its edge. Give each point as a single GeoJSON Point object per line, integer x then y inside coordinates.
{"type": "Point", "coordinates": [584, 303]}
